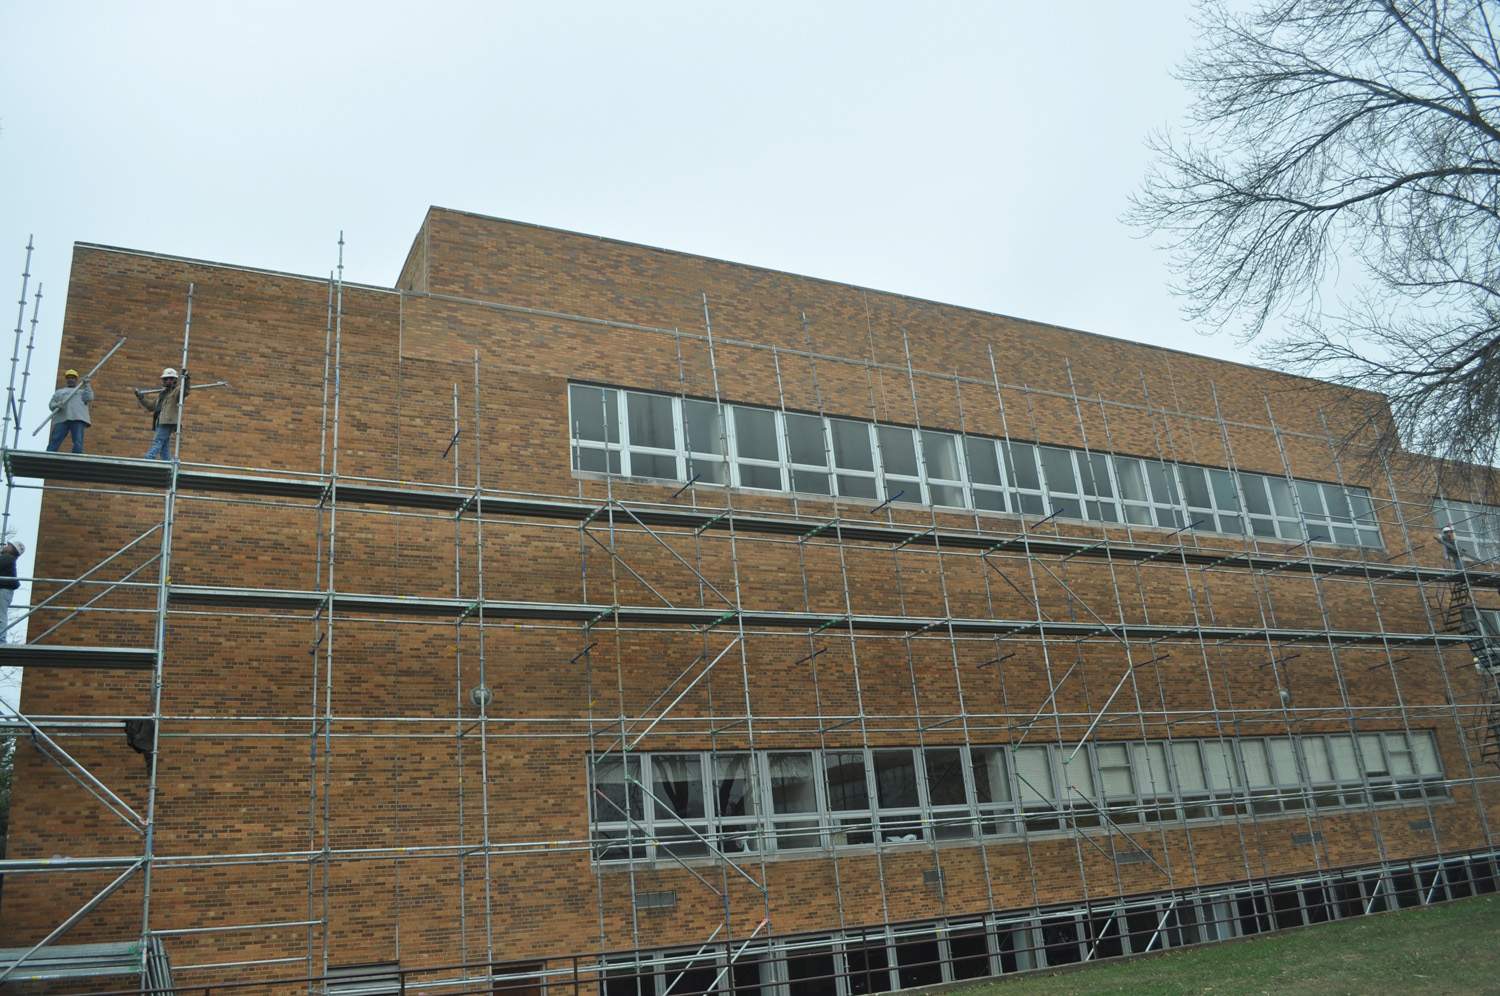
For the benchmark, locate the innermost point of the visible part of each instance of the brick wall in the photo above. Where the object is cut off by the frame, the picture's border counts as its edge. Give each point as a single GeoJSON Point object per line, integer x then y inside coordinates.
{"type": "Point", "coordinates": [538, 308]}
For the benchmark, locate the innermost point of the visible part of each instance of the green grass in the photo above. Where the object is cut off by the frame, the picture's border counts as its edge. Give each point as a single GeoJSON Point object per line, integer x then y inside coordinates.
{"type": "Point", "coordinates": [1451, 948]}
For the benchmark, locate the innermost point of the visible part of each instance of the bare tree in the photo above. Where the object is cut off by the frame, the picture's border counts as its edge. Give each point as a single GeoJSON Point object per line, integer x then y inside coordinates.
{"type": "Point", "coordinates": [1340, 183]}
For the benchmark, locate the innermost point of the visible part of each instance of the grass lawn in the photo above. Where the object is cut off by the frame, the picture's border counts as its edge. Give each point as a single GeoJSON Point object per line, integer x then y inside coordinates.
{"type": "Point", "coordinates": [1452, 948]}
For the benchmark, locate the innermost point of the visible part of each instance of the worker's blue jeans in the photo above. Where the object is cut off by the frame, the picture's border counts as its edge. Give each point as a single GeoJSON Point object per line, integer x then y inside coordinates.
{"type": "Point", "coordinates": [62, 430]}
{"type": "Point", "coordinates": [161, 443]}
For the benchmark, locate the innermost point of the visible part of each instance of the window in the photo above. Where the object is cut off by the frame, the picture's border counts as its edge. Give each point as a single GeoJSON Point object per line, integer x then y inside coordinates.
{"type": "Point", "coordinates": [660, 437]}
{"type": "Point", "coordinates": [703, 439]}
{"type": "Point", "coordinates": [898, 464]}
{"type": "Point", "coordinates": [853, 459]}
{"type": "Point", "coordinates": [896, 793]}
{"type": "Point", "coordinates": [945, 476]}
{"type": "Point", "coordinates": [848, 794]}
{"type": "Point", "coordinates": [1475, 527]}
{"type": "Point", "coordinates": [675, 805]}
{"type": "Point", "coordinates": [808, 452]}
{"type": "Point", "coordinates": [947, 795]}
{"type": "Point", "coordinates": [794, 792]}
{"type": "Point", "coordinates": [758, 455]}
{"type": "Point", "coordinates": [594, 414]}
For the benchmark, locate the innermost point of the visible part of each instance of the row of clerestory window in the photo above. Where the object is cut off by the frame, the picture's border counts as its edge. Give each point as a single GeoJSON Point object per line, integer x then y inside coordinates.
{"type": "Point", "coordinates": [668, 438]}
{"type": "Point", "coordinates": [646, 806]}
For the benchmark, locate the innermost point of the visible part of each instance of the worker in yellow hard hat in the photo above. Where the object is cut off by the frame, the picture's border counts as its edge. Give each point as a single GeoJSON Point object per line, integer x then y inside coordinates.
{"type": "Point", "coordinates": [70, 412]}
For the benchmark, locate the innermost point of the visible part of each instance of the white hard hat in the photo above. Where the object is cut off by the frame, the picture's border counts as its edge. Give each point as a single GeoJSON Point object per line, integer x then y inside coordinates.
{"type": "Point", "coordinates": [20, 547]}
{"type": "Point", "coordinates": [168, 372]}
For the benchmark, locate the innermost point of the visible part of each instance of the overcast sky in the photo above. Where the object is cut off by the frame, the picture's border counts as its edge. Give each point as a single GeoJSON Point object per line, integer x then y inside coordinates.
{"type": "Point", "coordinates": [974, 153]}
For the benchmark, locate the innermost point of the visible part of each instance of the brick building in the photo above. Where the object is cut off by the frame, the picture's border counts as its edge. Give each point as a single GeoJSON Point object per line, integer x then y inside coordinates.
{"type": "Point", "coordinates": [577, 610]}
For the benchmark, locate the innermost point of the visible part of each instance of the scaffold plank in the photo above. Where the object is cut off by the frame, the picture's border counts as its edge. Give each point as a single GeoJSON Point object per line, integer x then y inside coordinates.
{"type": "Point", "coordinates": [62, 655]}
{"type": "Point", "coordinates": [661, 615]}
{"type": "Point", "coordinates": [149, 473]}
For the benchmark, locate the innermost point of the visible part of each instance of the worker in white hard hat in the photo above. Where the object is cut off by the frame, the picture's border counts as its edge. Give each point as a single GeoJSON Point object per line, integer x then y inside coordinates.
{"type": "Point", "coordinates": [8, 583]}
{"type": "Point", "coordinates": [70, 412]}
{"type": "Point", "coordinates": [166, 411]}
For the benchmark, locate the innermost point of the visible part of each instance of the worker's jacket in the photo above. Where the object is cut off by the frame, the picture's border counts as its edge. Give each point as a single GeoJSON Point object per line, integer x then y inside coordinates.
{"type": "Point", "coordinates": [70, 405]}
{"type": "Point", "coordinates": [8, 571]}
{"type": "Point", "coordinates": [167, 408]}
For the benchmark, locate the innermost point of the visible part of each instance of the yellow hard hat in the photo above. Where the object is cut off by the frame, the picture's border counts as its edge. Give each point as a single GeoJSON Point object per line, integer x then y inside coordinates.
{"type": "Point", "coordinates": [70, 373]}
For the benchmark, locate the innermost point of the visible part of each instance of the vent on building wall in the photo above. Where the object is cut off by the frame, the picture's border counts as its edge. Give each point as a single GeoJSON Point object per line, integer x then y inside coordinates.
{"type": "Point", "coordinates": [655, 900]}
{"type": "Point", "coordinates": [933, 877]}
{"type": "Point", "coordinates": [1419, 825]}
{"type": "Point", "coordinates": [1316, 837]}
{"type": "Point", "coordinates": [1132, 858]}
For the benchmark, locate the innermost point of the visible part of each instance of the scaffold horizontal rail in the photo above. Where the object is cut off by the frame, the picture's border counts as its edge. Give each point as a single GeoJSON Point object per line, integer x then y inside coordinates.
{"type": "Point", "coordinates": [663, 615]}
{"type": "Point", "coordinates": [156, 474]}
{"type": "Point", "coordinates": [62, 655]}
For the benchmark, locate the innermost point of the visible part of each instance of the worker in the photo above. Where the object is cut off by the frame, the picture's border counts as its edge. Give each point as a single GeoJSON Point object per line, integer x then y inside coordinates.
{"type": "Point", "coordinates": [70, 412]}
{"type": "Point", "coordinates": [166, 411]}
{"type": "Point", "coordinates": [8, 583]}
{"type": "Point", "coordinates": [1450, 546]}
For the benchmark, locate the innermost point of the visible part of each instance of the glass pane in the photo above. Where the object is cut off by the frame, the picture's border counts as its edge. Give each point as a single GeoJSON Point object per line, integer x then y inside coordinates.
{"type": "Point", "coordinates": [947, 494]}
{"type": "Point", "coordinates": [1400, 756]}
{"type": "Point", "coordinates": [1195, 487]}
{"type": "Point", "coordinates": [792, 787]}
{"type": "Point", "coordinates": [734, 785]}
{"type": "Point", "coordinates": [1020, 466]}
{"type": "Point", "coordinates": [588, 407]}
{"type": "Point", "coordinates": [703, 427]}
{"type": "Point", "coordinates": [1095, 470]}
{"type": "Point", "coordinates": [755, 433]}
{"type": "Point", "coordinates": [756, 476]}
{"type": "Point", "coordinates": [1225, 496]}
{"type": "Point", "coordinates": [1114, 770]}
{"type": "Point", "coordinates": [993, 501]}
{"type": "Point", "coordinates": [984, 461]}
{"type": "Point", "coordinates": [1189, 767]}
{"type": "Point", "coordinates": [804, 435]}
{"type": "Point", "coordinates": [1345, 764]}
{"type": "Point", "coordinates": [851, 486]}
{"type": "Point", "coordinates": [1338, 503]}
{"type": "Point", "coordinates": [811, 482]}
{"type": "Point", "coordinates": [595, 460]}
{"type": "Point", "coordinates": [1254, 486]}
{"type": "Point", "coordinates": [1311, 497]}
{"type": "Point", "coordinates": [1315, 756]}
{"type": "Point", "coordinates": [990, 782]}
{"type": "Point", "coordinates": [945, 776]}
{"type": "Point", "coordinates": [1151, 765]}
{"type": "Point", "coordinates": [1218, 761]}
{"type": "Point", "coordinates": [1281, 496]}
{"type": "Point", "coordinates": [1132, 481]}
{"type": "Point", "coordinates": [1426, 755]}
{"type": "Point", "coordinates": [1057, 467]}
{"type": "Point", "coordinates": [1369, 749]}
{"type": "Point", "coordinates": [677, 784]}
{"type": "Point", "coordinates": [1359, 504]}
{"type": "Point", "coordinates": [652, 465]}
{"type": "Point", "coordinates": [1257, 767]}
{"type": "Point", "coordinates": [650, 421]}
{"type": "Point", "coordinates": [898, 452]}
{"type": "Point", "coordinates": [1077, 773]}
{"type": "Point", "coordinates": [1034, 774]}
{"type": "Point", "coordinates": [709, 469]}
{"type": "Point", "coordinates": [895, 779]}
{"type": "Point", "coordinates": [1163, 490]}
{"type": "Point", "coordinates": [610, 793]}
{"type": "Point", "coordinates": [1284, 761]}
{"type": "Point", "coordinates": [851, 445]}
{"type": "Point", "coordinates": [845, 770]}
{"type": "Point", "coordinates": [940, 453]}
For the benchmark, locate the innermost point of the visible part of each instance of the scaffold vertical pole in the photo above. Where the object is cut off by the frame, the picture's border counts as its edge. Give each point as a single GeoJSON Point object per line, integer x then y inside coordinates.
{"type": "Point", "coordinates": [163, 594]}
{"type": "Point", "coordinates": [11, 415]}
{"type": "Point", "coordinates": [484, 756]}
{"type": "Point", "coordinates": [315, 653]}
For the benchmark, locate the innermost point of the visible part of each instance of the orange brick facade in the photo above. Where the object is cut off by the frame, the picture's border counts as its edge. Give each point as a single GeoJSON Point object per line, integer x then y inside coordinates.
{"type": "Point", "coordinates": [539, 308]}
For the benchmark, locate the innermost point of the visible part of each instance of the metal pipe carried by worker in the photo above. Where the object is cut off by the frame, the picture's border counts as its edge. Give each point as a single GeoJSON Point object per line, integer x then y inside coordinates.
{"type": "Point", "coordinates": [61, 399]}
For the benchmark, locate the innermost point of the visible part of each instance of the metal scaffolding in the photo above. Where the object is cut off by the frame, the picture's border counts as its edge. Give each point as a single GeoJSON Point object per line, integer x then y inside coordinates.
{"type": "Point", "coordinates": [1031, 558]}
